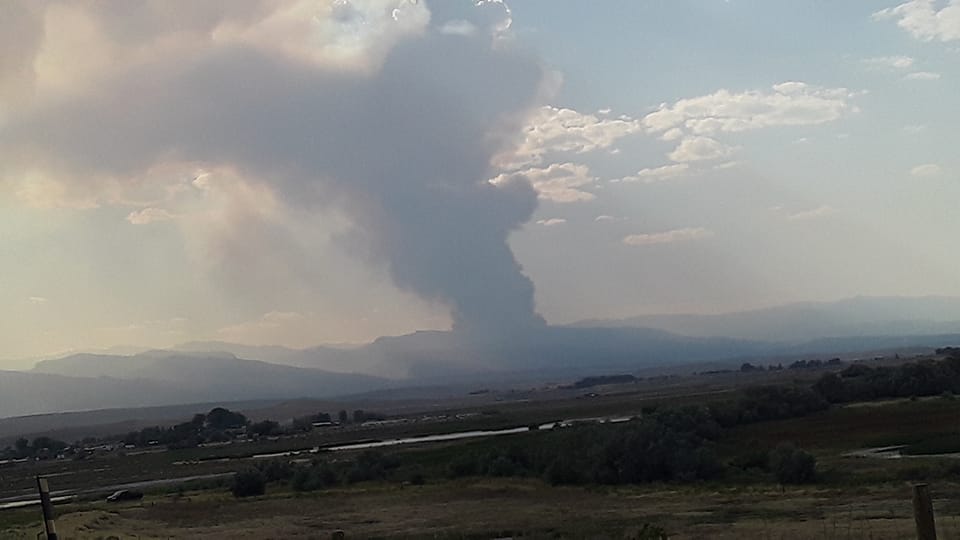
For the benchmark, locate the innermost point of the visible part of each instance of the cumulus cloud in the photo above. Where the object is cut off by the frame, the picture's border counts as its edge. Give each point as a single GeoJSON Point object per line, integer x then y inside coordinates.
{"type": "Point", "coordinates": [560, 182]}
{"type": "Point", "coordinates": [657, 174]}
{"type": "Point", "coordinates": [700, 148]}
{"type": "Point", "coordinates": [344, 107]}
{"type": "Point", "coordinates": [726, 165]}
{"type": "Point", "coordinates": [789, 104]}
{"type": "Point", "coordinates": [149, 215]}
{"type": "Point", "coordinates": [696, 121]}
{"type": "Point", "coordinates": [459, 28]}
{"type": "Point", "coordinates": [668, 237]}
{"type": "Point", "coordinates": [554, 130]}
{"type": "Point", "coordinates": [922, 76]}
{"type": "Point", "coordinates": [889, 62]}
{"type": "Point", "coordinates": [926, 20]}
{"type": "Point", "coordinates": [551, 222]}
{"type": "Point", "coordinates": [927, 170]}
{"type": "Point", "coordinates": [814, 213]}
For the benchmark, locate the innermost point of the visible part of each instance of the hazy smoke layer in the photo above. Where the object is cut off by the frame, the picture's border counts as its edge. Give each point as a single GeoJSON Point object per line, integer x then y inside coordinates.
{"type": "Point", "coordinates": [399, 135]}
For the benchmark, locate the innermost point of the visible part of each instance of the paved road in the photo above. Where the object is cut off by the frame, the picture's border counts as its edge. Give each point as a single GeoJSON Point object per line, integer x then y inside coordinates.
{"type": "Point", "coordinates": [67, 494]}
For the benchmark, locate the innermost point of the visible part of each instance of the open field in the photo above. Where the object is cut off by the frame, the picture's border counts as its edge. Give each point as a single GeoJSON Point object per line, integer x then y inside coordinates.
{"type": "Point", "coordinates": [490, 508]}
{"type": "Point", "coordinates": [852, 498]}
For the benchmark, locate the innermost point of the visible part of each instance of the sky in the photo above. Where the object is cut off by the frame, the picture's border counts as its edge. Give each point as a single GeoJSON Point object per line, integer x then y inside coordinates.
{"type": "Point", "coordinates": [320, 171]}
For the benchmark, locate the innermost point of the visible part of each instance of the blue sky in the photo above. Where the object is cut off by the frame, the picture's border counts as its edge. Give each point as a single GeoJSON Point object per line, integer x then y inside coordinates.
{"type": "Point", "coordinates": [684, 156]}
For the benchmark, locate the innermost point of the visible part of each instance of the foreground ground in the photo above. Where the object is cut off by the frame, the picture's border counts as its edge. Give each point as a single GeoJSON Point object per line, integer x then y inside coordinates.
{"type": "Point", "coordinates": [513, 507]}
{"type": "Point", "coordinates": [853, 498]}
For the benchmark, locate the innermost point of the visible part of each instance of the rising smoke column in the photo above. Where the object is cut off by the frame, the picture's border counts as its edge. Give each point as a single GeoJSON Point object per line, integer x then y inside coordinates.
{"type": "Point", "coordinates": [401, 143]}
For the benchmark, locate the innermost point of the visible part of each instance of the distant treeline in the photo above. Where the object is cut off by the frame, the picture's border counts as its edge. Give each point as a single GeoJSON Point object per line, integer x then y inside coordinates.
{"type": "Point", "coordinates": [598, 380]}
{"type": "Point", "coordinates": [39, 448]}
{"type": "Point", "coordinates": [861, 382]}
{"type": "Point", "coordinates": [670, 445]}
{"type": "Point", "coordinates": [215, 426]}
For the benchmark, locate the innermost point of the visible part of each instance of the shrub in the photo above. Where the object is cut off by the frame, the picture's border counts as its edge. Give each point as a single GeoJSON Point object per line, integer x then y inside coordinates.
{"type": "Point", "coordinates": [248, 483]}
{"type": "Point", "coordinates": [275, 470]}
{"type": "Point", "coordinates": [417, 478]}
{"type": "Point", "coordinates": [317, 475]}
{"type": "Point", "coordinates": [563, 471]}
{"type": "Point", "coordinates": [791, 465]}
{"type": "Point", "coordinates": [371, 465]}
{"type": "Point", "coordinates": [463, 465]}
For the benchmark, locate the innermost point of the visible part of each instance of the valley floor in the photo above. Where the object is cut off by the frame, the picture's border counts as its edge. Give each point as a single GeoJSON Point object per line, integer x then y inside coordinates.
{"type": "Point", "coordinates": [852, 498]}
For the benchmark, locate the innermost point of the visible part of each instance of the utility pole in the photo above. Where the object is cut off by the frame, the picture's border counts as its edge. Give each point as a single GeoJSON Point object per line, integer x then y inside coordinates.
{"type": "Point", "coordinates": [923, 513]}
{"type": "Point", "coordinates": [47, 507]}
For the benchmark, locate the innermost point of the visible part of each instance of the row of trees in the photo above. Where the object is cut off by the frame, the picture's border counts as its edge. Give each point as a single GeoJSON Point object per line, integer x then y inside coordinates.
{"type": "Point", "coordinates": [671, 445]}
{"type": "Point", "coordinates": [860, 382]}
{"type": "Point", "coordinates": [40, 448]}
{"type": "Point", "coordinates": [218, 425]}
{"type": "Point", "coordinates": [799, 364]}
{"type": "Point", "coordinates": [317, 474]}
{"type": "Point", "coordinates": [359, 416]}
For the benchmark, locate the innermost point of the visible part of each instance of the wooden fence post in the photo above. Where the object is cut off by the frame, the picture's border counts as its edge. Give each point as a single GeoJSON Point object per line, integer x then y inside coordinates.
{"type": "Point", "coordinates": [923, 513]}
{"type": "Point", "coordinates": [47, 508]}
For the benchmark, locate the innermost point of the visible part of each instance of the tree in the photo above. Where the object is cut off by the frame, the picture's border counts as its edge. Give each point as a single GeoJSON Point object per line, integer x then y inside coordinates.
{"type": "Point", "coordinates": [358, 416]}
{"type": "Point", "coordinates": [264, 428]}
{"type": "Point", "coordinates": [220, 418]}
{"type": "Point", "coordinates": [22, 447]}
{"type": "Point", "coordinates": [248, 483]}
{"type": "Point", "coordinates": [342, 416]}
{"type": "Point", "coordinates": [791, 465]}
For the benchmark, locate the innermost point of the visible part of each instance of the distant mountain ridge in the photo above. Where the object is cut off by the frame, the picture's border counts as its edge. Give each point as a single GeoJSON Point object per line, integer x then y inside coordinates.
{"type": "Point", "coordinates": [807, 321]}
{"type": "Point", "coordinates": [154, 378]}
{"type": "Point", "coordinates": [438, 358]}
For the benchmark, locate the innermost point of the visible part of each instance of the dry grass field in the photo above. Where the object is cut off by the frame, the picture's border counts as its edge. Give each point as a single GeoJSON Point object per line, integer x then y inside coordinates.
{"type": "Point", "coordinates": [518, 508]}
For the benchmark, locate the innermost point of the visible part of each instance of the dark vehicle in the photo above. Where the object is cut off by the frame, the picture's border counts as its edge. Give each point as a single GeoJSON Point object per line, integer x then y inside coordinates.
{"type": "Point", "coordinates": [125, 495]}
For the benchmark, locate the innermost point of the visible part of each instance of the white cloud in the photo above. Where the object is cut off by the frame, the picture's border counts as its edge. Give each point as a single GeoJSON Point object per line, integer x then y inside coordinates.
{"type": "Point", "coordinates": [890, 62]}
{"type": "Point", "coordinates": [604, 217]}
{"type": "Point", "coordinates": [657, 174]}
{"type": "Point", "coordinates": [553, 130]}
{"type": "Point", "coordinates": [149, 215]}
{"type": "Point", "coordinates": [37, 300]}
{"type": "Point", "coordinates": [551, 222]}
{"type": "Point", "coordinates": [695, 121]}
{"type": "Point", "coordinates": [560, 182]}
{"type": "Point", "coordinates": [668, 237]}
{"type": "Point", "coordinates": [820, 211]}
{"type": "Point", "coordinates": [789, 104]}
{"type": "Point", "coordinates": [922, 76]}
{"type": "Point", "coordinates": [726, 165]}
{"type": "Point", "coordinates": [926, 20]}
{"type": "Point", "coordinates": [458, 28]}
{"type": "Point", "coordinates": [672, 134]}
{"type": "Point", "coordinates": [914, 129]}
{"type": "Point", "coordinates": [699, 149]}
{"type": "Point", "coordinates": [926, 170]}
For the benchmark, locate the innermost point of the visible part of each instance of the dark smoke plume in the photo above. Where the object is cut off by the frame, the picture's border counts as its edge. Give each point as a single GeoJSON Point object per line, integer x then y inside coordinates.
{"type": "Point", "coordinates": [404, 148]}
